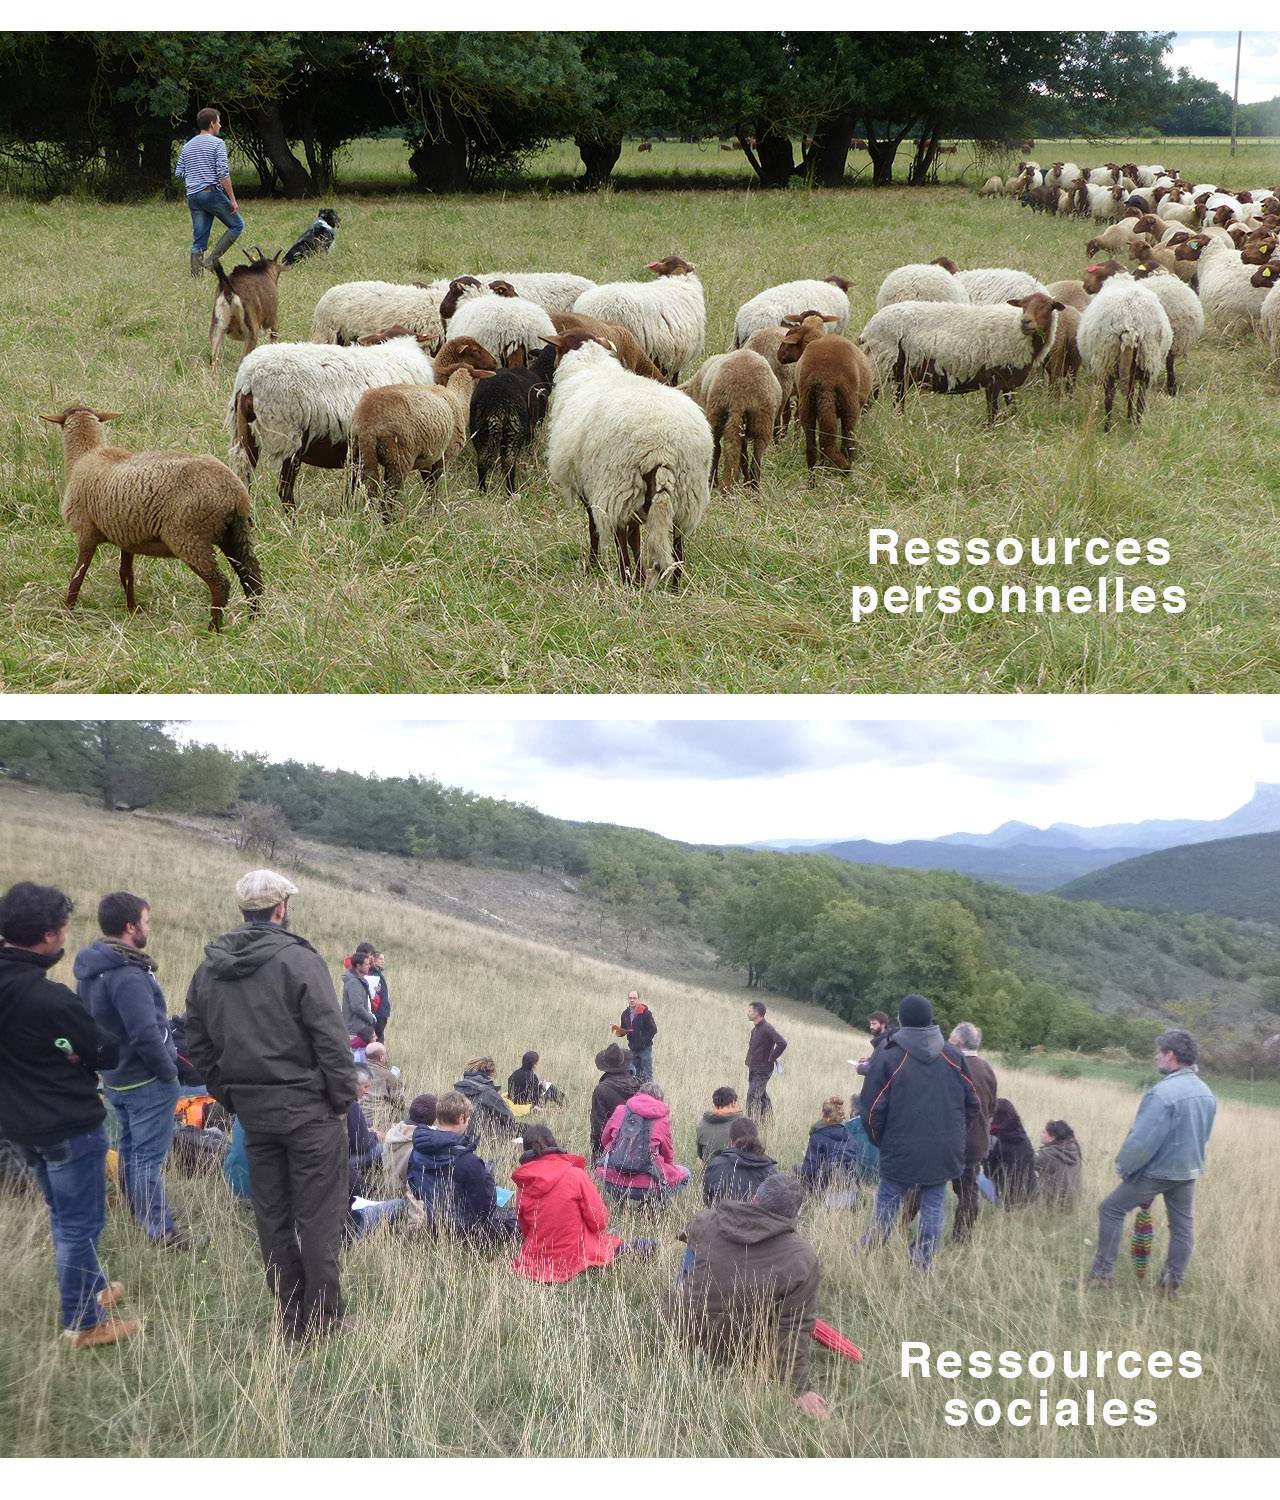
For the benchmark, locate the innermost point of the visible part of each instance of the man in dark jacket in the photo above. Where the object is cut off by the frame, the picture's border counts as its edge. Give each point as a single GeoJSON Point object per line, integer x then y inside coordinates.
{"type": "Point", "coordinates": [50, 1051]}
{"type": "Point", "coordinates": [379, 993]}
{"type": "Point", "coordinates": [265, 1028]}
{"type": "Point", "coordinates": [922, 1100]}
{"type": "Point", "coordinates": [881, 1030]}
{"type": "Point", "coordinates": [764, 1049]}
{"type": "Point", "coordinates": [617, 1084]}
{"type": "Point", "coordinates": [639, 1027]}
{"type": "Point", "coordinates": [450, 1180]}
{"type": "Point", "coordinates": [751, 1270]}
{"type": "Point", "coordinates": [117, 983]}
{"type": "Point", "coordinates": [967, 1038]}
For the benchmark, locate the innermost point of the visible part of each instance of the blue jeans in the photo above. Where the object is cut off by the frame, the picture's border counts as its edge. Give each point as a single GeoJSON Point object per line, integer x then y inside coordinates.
{"type": "Point", "coordinates": [933, 1217]}
{"type": "Point", "coordinates": [145, 1117]}
{"type": "Point", "coordinates": [207, 205]}
{"type": "Point", "coordinates": [642, 1062]}
{"type": "Point", "coordinates": [365, 1220]}
{"type": "Point", "coordinates": [73, 1178]}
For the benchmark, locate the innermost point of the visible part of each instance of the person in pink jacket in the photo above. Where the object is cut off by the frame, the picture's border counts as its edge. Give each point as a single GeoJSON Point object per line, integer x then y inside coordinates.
{"type": "Point", "coordinates": [640, 1129]}
{"type": "Point", "coordinates": [560, 1212]}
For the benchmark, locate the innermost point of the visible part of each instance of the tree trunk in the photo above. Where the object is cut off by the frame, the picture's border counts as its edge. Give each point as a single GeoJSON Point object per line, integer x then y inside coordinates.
{"type": "Point", "coordinates": [922, 164]}
{"type": "Point", "coordinates": [157, 144]}
{"type": "Point", "coordinates": [882, 153]}
{"type": "Point", "coordinates": [830, 150]}
{"type": "Point", "coordinates": [270, 127]}
{"type": "Point", "coordinates": [440, 166]}
{"type": "Point", "coordinates": [599, 158]}
{"type": "Point", "coordinates": [776, 161]}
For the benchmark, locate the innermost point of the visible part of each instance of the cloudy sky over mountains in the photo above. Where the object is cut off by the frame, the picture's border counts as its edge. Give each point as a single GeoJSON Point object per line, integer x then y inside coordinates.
{"type": "Point", "coordinates": [740, 780]}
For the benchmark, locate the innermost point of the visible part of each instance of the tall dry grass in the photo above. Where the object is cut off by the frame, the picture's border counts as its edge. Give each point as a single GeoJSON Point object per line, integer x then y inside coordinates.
{"type": "Point", "coordinates": [454, 1355]}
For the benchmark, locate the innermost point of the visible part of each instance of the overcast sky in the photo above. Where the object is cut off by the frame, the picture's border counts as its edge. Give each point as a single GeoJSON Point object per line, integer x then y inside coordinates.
{"type": "Point", "coordinates": [1212, 54]}
{"type": "Point", "coordinates": [737, 781]}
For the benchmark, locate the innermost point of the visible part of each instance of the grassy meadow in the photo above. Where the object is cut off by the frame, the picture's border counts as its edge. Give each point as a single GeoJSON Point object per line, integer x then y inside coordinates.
{"type": "Point", "coordinates": [454, 1356]}
{"type": "Point", "coordinates": [470, 592]}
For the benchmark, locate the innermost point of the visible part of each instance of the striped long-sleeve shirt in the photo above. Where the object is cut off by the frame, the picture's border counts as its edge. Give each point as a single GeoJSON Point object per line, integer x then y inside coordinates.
{"type": "Point", "coordinates": [202, 162]}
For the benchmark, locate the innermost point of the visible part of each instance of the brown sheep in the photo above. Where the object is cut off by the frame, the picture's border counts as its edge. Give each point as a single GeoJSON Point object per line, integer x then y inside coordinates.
{"type": "Point", "coordinates": [158, 504]}
{"type": "Point", "coordinates": [461, 353]}
{"type": "Point", "coordinates": [767, 341]}
{"type": "Point", "coordinates": [741, 396]}
{"type": "Point", "coordinates": [626, 345]}
{"type": "Point", "coordinates": [247, 304]}
{"type": "Point", "coordinates": [1063, 363]}
{"type": "Point", "coordinates": [834, 382]}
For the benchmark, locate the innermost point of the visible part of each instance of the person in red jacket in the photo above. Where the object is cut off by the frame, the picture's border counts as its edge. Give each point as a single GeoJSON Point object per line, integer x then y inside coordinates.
{"type": "Point", "coordinates": [561, 1214]}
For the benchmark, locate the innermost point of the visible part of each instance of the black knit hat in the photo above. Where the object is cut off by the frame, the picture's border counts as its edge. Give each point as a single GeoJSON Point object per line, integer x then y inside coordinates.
{"type": "Point", "coordinates": [915, 1010]}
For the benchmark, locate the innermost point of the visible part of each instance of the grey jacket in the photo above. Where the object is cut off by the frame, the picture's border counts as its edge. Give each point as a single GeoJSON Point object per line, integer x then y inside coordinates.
{"type": "Point", "coordinates": [1170, 1130]}
{"type": "Point", "coordinates": [357, 1016]}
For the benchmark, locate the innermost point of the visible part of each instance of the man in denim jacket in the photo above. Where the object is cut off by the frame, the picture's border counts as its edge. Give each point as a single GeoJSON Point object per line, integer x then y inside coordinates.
{"type": "Point", "coordinates": [1163, 1155]}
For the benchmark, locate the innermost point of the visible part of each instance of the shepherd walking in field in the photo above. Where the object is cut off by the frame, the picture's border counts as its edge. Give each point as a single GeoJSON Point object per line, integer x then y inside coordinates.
{"type": "Point", "coordinates": [117, 982]}
{"type": "Point", "coordinates": [765, 1047]}
{"type": "Point", "coordinates": [264, 1027]}
{"type": "Point", "coordinates": [50, 1051]}
{"type": "Point", "coordinates": [1162, 1156]}
{"type": "Point", "coordinates": [203, 166]}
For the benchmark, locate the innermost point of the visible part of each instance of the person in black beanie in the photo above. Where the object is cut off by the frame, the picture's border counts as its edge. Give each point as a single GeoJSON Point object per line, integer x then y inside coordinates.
{"type": "Point", "coordinates": [919, 1101]}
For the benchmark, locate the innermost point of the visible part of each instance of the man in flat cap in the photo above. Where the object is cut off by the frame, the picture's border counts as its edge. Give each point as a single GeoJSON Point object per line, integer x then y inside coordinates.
{"type": "Point", "coordinates": [265, 1029]}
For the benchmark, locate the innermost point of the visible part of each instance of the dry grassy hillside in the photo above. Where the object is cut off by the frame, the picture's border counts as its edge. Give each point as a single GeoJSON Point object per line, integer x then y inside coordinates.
{"type": "Point", "coordinates": [455, 1356]}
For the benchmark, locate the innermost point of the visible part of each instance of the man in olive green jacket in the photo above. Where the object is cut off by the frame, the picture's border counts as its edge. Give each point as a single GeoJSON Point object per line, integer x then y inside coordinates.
{"type": "Point", "coordinates": [265, 1029]}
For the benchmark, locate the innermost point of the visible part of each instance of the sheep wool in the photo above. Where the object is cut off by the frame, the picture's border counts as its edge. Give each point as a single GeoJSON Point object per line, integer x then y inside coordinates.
{"type": "Point", "coordinates": [355, 309]}
{"type": "Point", "coordinates": [553, 291]}
{"type": "Point", "coordinates": [635, 453]}
{"type": "Point", "coordinates": [1232, 304]}
{"type": "Point", "coordinates": [399, 428]}
{"type": "Point", "coordinates": [1269, 321]}
{"type": "Point", "coordinates": [741, 397]}
{"type": "Point", "coordinates": [918, 283]}
{"type": "Point", "coordinates": [1124, 337]}
{"type": "Point", "coordinates": [958, 341]}
{"type": "Point", "coordinates": [512, 329]}
{"type": "Point", "coordinates": [991, 285]}
{"type": "Point", "coordinates": [768, 308]}
{"type": "Point", "coordinates": [668, 316]}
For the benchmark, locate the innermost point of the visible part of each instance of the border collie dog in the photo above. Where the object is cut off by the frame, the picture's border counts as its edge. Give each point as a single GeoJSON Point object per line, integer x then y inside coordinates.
{"type": "Point", "coordinates": [319, 237]}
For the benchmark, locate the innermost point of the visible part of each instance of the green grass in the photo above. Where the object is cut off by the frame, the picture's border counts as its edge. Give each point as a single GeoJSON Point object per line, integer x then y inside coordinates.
{"type": "Point", "coordinates": [480, 593]}
{"type": "Point", "coordinates": [455, 1356]}
{"type": "Point", "coordinates": [1261, 1091]}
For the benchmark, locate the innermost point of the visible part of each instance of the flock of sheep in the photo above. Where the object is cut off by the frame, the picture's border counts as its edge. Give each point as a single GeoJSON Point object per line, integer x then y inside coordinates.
{"type": "Point", "coordinates": [402, 377]}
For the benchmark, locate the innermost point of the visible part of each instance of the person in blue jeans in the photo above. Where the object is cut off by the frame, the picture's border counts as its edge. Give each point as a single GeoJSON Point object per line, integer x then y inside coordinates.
{"type": "Point", "coordinates": [203, 166]}
{"type": "Point", "coordinates": [50, 1051]}
{"type": "Point", "coordinates": [919, 1100]}
{"type": "Point", "coordinates": [118, 985]}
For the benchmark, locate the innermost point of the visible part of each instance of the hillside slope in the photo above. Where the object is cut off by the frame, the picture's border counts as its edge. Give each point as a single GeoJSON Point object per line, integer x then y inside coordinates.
{"type": "Point", "coordinates": [1025, 866]}
{"type": "Point", "coordinates": [1237, 877]}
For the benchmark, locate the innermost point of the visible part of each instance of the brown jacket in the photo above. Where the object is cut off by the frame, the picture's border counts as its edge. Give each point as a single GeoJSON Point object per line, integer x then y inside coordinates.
{"type": "Point", "coordinates": [977, 1140]}
{"type": "Point", "coordinates": [750, 1266]}
{"type": "Point", "coordinates": [764, 1047]}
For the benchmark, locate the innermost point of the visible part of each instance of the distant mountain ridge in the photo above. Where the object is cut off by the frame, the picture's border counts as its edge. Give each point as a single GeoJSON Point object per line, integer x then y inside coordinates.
{"type": "Point", "coordinates": [1043, 859]}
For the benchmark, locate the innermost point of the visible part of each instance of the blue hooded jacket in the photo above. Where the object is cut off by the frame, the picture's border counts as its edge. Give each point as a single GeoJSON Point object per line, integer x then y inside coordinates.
{"type": "Point", "coordinates": [450, 1179]}
{"type": "Point", "coordinates": [121, 993]}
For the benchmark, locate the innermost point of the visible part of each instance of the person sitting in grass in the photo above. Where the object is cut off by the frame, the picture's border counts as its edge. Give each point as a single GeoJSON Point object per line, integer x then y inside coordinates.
{"type": "Point", "coordinates": [713, 1127]}
{"type": "Point", "coordinates": [562, 1217]}
{"type": "Point", "coordinates": [639, 1154]}
{"type": "Point", "coordinates": [738, 1170]}
{"type": "Point", "coordinates": [1058, 1166]}
{"type": "Point", "coordinates": [1011, 1162]}
{"type": "Point", "coordinates": [867, 1150]}
{"type": "Point", "coordinates": [524, 1085]}
{"type": "Point", "coordinates": [450, 1180]}
{"type": "Point", "coordinates": [750, 1275]}
{"type": "Point", "coordinates": [492, 1113]}
{"type": "Point", "coordinates": [831, 1163]}
{"type": "Point", "coordinates": [397, 1144]}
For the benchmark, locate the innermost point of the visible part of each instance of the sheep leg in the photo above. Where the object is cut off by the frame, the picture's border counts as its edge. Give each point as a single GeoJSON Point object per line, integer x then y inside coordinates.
{"type": "Point", "coordinates": [216, 335]}
{"type": "Point", "coordinates": [244, 564]}
{"type": "Point", "coordinates": [1139, 400]}
{"type": "Point", "coordinates": [509, 462]}
{"type": "Point", "coordinates": [715, 454]}
{"type": "Point", "coordinates": [622, 541]}
{"type": "Point", "coordinates": [288, 477]}
{"type": "Point", "coordinates": [1108, 397]}
{"type": "Point", "coordinates": [126, 581]}
{"type": "Point", "coordinates": [198, 556]}
{"type": "Point", "coordinates": [677, 551]}
{"type": "Point", "coordinates": [1172, 379]}
{"type": "Point", "coordinates": [83, 558]}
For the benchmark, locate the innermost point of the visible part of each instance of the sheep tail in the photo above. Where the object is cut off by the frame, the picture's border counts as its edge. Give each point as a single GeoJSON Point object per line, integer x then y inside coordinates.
{"type": "Point", "coordinates": [244, 450]}
{"type": "Point", "coordinates": [1128, 371]}
{"type": "Point", "coordinates": [827, 418]}
{"type": "Point", "coordinates": [657, 513]}
{"type": "Point", "coordinates": [237, 544]}
{"type": "Point", "coordinates": [731, 445]}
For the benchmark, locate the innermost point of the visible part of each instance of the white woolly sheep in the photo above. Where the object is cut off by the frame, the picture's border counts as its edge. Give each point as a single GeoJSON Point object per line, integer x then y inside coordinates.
{"type": "Point", "coordinates": [161, 504]}
{"type": "Point", "coordinates": [993, 187]}
{"type": "Point", "coordinates": [292, 403]}
{"type": "Point", "coordinates": [553, 291]}
{"type": "Point", "coordinates": [398, 428]}
{"type": "Point", "coordinates": [741, 396]}
{"type": "Point", "coordinates": [353, 310]}
{"type": "Point", "coordinates": [635, 453]}
{"type": "Point", "coordinates": [1269, 321]}
{"type": "Point", "coordinates": [510, 328]}
{"type": "Point", "coordinates": [668, 315]}
{"type": "Point", "coordinates": [1182, 308]}
{"type": "Point", "coordinates": [1232, 303]}
{"type": "Point", "coordinates": [993, 285]}
{"type": "Point", "coordinates": [768, 308]}
{"type": "Point", "coordinates": [952, 349]}
{"type": "Point", "coordinates": [936, 282]}
{"type": "Point", "coordinates": [1124, 337]}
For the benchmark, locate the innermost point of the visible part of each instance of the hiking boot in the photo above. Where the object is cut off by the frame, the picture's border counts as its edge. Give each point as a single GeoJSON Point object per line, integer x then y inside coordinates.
{"type": "Point", "coordinates": [197, 265]}
{"type": "Point", "coordinates": [109, 1331]}
{"type": "Point", "coordinates": [228, 239]}
{"type": "Point", "coordinates": [112, 1293]}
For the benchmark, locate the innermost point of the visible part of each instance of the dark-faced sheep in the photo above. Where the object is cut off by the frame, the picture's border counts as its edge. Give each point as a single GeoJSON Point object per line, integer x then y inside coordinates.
{"type": "Point", "coordinates": [159, 504]}
{"type": "Point", "coordinates": [505, 413]}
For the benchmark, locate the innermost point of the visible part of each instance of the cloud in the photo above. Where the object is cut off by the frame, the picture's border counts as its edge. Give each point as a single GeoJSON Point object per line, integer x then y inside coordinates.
{"type": "Point", "coordinates": [1212, 55]}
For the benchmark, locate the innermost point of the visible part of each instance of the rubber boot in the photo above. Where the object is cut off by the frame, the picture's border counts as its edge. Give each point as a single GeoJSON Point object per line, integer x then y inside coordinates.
{"type": "Point", "coordinates": [197, 264]}
{"type": "Point", "coordinates": [229, 237]}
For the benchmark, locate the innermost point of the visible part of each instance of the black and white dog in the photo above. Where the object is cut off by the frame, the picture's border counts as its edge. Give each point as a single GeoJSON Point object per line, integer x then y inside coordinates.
{"type": "Point", "coordinates": [319, 237]}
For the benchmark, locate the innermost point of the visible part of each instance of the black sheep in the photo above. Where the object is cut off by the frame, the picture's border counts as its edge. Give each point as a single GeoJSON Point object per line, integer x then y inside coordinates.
{"type": "Point", "coordinates": [505, 411]}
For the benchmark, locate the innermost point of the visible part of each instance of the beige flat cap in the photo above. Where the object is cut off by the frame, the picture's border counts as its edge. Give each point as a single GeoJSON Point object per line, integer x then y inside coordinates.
{"type": "Point", "coordinates": [260, 889]}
